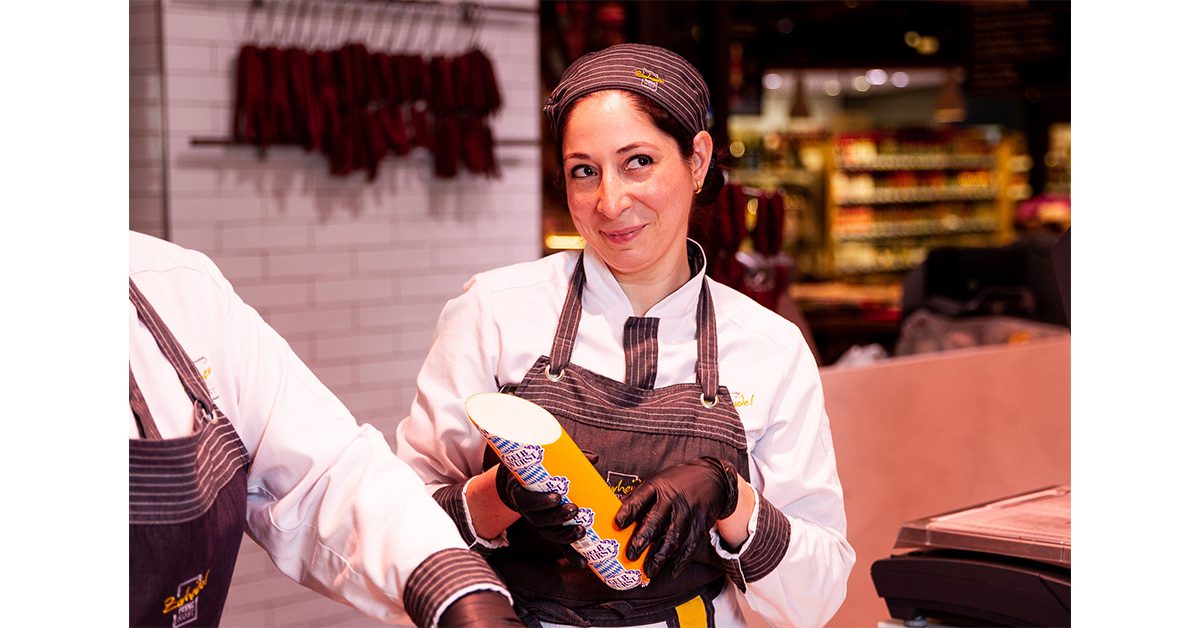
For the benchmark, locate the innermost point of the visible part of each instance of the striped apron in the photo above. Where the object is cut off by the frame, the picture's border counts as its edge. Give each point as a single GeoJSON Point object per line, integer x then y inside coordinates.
{"type": "Point", "coordinates": [187, 501]}
{"type": "Point", "coordinates": [636, 430]}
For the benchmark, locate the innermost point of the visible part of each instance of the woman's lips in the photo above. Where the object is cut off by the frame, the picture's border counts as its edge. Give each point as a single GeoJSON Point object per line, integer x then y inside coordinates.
{"type": "Point", "coordinates": [623, 236]}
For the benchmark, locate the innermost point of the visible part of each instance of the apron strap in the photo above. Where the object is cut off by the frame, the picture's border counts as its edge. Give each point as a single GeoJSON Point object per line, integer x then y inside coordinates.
{"type": "Point", "coordinates": [706, 346]}
{"type": "Point", "coordinates": [192, 382]}
{"type": "Point", "coordinates": [706, 333]}
{"type": "Point", "coordinates": [141, 412]}
{"type": "Point", "coordinates": [568, 324]}
{"type": "Point", "coordinates": [641, 351]}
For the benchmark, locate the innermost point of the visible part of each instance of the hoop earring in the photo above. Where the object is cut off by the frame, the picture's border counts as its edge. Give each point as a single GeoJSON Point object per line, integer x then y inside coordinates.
{"type": "Point", "coordinates": [699, 185]}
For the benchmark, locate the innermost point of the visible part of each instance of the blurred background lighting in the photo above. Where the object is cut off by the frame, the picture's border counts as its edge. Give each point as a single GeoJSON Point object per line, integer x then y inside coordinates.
{"type": "Point", "coordinates": [912, 38]}
{"type": "Point", "coordinates": [562, 242]}
{"type": "Point", "coordinates": [928, 45]}
{"type": "Point", "coordinates": [861, 83]}
{"type": "Point", "coordinates": [876, 76]}
{"type": "Point", "coordinates": [799, 106]}
{"type": "Point", "coordinates": [772, 81]}
{"type": "Point", "coordinates": [900, 79]}
{"type": "Point", "coordinates": [832, 87]}
{"type": "Point", "coordinates": [785, 26]}
{"type": "Point", "coordinates": [737, 148]}
{"type": "Point", "coordinates": [951, 104]}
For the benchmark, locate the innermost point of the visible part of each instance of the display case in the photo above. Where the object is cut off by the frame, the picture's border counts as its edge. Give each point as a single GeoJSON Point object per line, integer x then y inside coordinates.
{"type": "Point", "coordinates": [894, 195]}
{"type": "Point", "coordinates": [864, 207]}
{"type": "Point", "coordinates": [1058, 161]}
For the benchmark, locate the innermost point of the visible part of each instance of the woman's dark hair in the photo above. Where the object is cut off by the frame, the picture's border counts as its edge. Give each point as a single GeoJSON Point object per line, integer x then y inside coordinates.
{"type": "Point", "coordinates": [714, 179]}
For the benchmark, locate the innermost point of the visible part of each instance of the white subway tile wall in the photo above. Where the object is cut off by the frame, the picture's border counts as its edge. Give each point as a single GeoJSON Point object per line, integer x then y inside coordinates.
{"type": "Point", "coordinates": [353, 274]}
{"type": "Point", "coordinates": [146, 206]}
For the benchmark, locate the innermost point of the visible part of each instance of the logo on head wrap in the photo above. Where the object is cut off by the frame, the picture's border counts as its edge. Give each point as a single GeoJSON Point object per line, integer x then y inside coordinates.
{"type": "Point", "coordinates": [649, 79]}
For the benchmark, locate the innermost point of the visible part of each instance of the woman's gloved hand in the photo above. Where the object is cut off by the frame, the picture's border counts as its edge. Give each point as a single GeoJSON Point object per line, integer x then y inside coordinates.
{"type": "Point", "coordinates": [479, 608]}
{"type": "Point", "coordinates": [546, 512]}
{"type": "Point", "coordinates": [675, 510]}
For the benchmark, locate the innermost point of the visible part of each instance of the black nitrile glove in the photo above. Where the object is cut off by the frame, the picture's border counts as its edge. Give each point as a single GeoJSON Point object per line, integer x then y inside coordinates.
{"type": "Point", "coordinates": [675, 509]}
{"type": "Point", "coordinates": [479, 608]}
{"type": "Point", "coordinates": [546, 512]}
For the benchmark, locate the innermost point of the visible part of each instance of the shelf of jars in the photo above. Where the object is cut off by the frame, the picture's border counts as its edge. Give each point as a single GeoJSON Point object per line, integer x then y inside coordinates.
{"type": "Point", "coordinates": [876, 202]}
{"type": "Point", "coordinates": [880, 259]}
{"type": "Point", "coordinates": [772, 180]}
{"type": "Point", "coordinates": [922, 148]}
{"type": "Point", "coordinates": [853, 227]}
{"type": "Point", "coordinates": [911, 187]}
{"type": "Point", "coordinates": [894, 195]}
{"type": "Point", "coordinates": [916, 162]}
{"type": "Point", "coordinates": [863, 259]}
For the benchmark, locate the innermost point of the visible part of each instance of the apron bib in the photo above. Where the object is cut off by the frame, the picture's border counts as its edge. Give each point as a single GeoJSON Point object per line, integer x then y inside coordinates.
{"type": "Point", "coordinates": [637, 430]}
{"type": "Point", "coordinates": [187, 501]}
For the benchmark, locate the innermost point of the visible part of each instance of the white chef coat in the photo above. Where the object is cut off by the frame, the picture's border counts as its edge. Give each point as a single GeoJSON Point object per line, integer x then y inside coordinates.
{"type": "Point", "coordinates": [505, 319]}
{"type": "Point", "coordinates": [327, 498]}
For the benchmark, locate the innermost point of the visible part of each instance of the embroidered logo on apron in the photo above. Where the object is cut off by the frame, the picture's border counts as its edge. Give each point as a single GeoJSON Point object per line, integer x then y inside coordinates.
{"type": "Point", "coordinates": [622, 484]}
{"type": "Point", "coordinates": [186, 601]}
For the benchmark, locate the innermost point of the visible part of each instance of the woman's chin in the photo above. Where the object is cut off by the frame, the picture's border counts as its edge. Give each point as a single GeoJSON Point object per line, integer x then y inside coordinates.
{"type": "Point", "coordinates": [624, 261]}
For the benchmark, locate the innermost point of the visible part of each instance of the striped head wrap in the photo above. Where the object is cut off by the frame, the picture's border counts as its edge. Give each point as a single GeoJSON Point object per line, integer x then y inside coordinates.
{"type": "Point", "coordinates": [657, 73]}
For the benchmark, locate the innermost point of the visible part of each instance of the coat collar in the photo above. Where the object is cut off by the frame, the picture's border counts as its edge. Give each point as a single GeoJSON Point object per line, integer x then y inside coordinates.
{"type": "Point", "coordinates": [602, 290]}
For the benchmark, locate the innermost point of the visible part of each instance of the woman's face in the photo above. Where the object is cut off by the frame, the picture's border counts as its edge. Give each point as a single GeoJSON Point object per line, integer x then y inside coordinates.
{"type": "Point", "coordinates": [628, 187]}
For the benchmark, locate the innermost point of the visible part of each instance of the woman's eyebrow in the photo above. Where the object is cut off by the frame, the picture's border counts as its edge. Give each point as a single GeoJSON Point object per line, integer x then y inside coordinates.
{"type": "Point", "coordinates": [623, 149]}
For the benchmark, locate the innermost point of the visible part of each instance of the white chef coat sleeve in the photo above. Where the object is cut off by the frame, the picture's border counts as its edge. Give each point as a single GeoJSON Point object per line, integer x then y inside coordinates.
{"type": "Point", "coordinates": [794, 567]}
{"type": "Point", "coordinates": [328, 500]}
{"type": "Point", "coordinates": [437, 439]}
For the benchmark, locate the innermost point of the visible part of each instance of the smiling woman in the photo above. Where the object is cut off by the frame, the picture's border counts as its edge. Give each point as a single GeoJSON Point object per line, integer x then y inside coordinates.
{"type": "Point", "coordinates": [718, 493]}
{"type": "Point", "coordinates": [630, 192]}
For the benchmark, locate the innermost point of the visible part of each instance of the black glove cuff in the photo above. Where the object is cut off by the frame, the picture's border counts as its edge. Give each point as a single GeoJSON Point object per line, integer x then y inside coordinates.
{"type": "Point", "coordinates": [729, 476]}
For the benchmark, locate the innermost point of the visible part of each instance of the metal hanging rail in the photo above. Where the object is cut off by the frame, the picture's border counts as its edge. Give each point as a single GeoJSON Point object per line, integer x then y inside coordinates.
{"type": "Point", "coordinates": [467, 10]}
{"type": "Point", "coordinates": [225, 141]}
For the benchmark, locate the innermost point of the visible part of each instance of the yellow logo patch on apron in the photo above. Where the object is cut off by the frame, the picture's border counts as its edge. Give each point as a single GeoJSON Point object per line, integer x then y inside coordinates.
{"type": "Point", "coordinates": [622, 484]}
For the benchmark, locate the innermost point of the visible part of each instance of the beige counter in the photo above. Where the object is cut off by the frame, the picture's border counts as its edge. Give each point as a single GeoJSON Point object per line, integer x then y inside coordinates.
{"type": "Point", "coordinates": [925, 434]}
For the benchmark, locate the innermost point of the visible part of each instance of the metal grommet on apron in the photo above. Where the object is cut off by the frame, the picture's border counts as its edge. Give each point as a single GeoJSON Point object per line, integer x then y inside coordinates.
{"type": "Point", "coordinates": [637, 431]}
{"type": "Point", "coordinates": [187, 500]}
